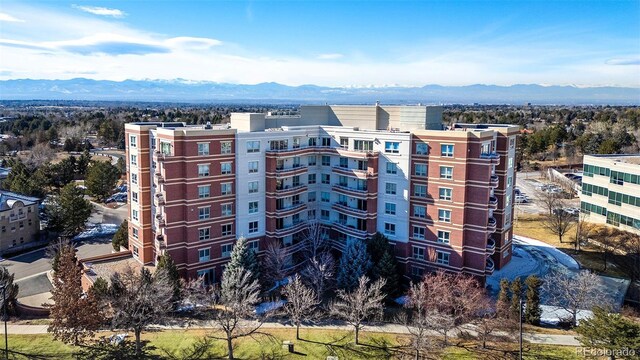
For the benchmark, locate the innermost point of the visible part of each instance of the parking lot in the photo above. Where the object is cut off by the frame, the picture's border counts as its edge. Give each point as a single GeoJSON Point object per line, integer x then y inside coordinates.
{"type": "Point", "coordinates": [530, 184]}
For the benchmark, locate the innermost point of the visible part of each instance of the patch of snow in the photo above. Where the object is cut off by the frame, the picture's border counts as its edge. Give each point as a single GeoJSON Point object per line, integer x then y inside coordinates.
{"type": "Point", "coordinates": [551, 315]}
{"type": "Point", "coordinates": [401, 300]}
{"type": "Point", "coordinates": [560, 256]}
{"type": "Point", "coordinates": [97, 231]}
{"type": "Point", "coordinates": [269, 306]}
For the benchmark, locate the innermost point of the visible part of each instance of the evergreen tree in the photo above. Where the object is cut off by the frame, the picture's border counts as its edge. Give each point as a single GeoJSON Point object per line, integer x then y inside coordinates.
{"type": "Point", "coordinates": [244, 258]}
{"type": "Point", "coordinates": [75, 316]}
{"type": "Point", "coordinates": [121, 237]}
{"type": "Point", "coordinates": [516, 295]}
{"type": "Point", "coordinates": [354, 264]}
{"type": "Point", "coordinates": [83, 162]}
{"type": "Point", "coordinates": [100, 288]}
{"type": "Point", "coordinates": [387, 269]}
{"type": "Point", "coordinates": [504, 300]}
{"type": "Point", "coordinates": [11, 290]}
{"type": "Point", "coordinates": [608, 331]}
{"type": "Point", "coordinates": [166, 262]}
{"type": "Point", "coordinates": [69, 211]}
{"type": "Point", "coordinates": [22, 181]}
{"type": "Point", "coordinates": [101, 179]}
{"type": "Point", "coordinates": [532, 310]}
{"type": "Point", "coordinates": [377, 246]}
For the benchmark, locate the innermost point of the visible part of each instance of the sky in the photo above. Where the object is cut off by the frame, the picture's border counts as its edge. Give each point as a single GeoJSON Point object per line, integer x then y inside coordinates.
{"type": "Point", "coordinates": [329, 43]}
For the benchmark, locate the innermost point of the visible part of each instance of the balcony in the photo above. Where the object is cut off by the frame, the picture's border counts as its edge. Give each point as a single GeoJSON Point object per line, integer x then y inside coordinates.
{"type": "Point", "coordinates": [290, 229]}
{"type": "Point", "coordinates": [355, 173]}
{"type": "Point", "coordinates": [492, 225]}
{"type": "Point", "coordinates": [291, 209]}
{"type": "Point", "coordinates": [159, 200]}
{"type": "Point", "coordinates": [360, 193]}
{"type": "Point", "coordinates": [494, 181]}
{"type": "Point", "coordinates": [491, 246]}
{"type": "Point", "coordinates": [493, 202]}
{"type": "Point", "coordinates": [294, 170]}
{"type": "Point", "coordinates": [160, 243]}
{"type": "Point", "coordinates": [489, 266]}
{"type": "Point", "coordinates": [493, 157]}
{"type": "Point", "coordinates": [289, 190]}
{"type": "Point", "coordinates": [159, 156]}
{"type": "Point", "coordinates": [159, 178]}
{"type": "Point", "coordinates": [343, 208]}
{"type": "Point", "coordinates": [160, 223]}
{"type": "Point", "coordinates": [349, 229]}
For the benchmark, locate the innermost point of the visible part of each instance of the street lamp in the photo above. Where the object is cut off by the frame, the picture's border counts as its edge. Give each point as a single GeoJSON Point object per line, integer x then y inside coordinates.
{"type": "Point", "coordinates": [4, 315]}
{"type": "Point", "coordinates": [520, 328]}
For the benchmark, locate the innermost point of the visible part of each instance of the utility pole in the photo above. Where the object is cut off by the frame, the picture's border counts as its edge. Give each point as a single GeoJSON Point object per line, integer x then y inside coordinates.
{"type": "Point", "coordinates": [4, 311]}
{"type": "Point", "coordinates": [520, 328]}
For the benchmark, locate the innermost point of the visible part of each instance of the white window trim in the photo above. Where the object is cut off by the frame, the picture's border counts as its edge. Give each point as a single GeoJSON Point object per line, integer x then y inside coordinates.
{"type": "Point", "coordinates": [444, 221]}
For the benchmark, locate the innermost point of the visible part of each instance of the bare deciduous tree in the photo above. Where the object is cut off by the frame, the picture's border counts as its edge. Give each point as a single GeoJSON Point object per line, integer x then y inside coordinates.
{"type": "Point", "coordinates": [573, 292]}
{"type": "Point", "coordinates": [139, 299]}
{"type": "Point", "coordinates": [319, 273]}
{"type": "Point", "coordinates": [301, 302]}
{"type": "Point", "coordinates": [40, 154]}
{"type": "Point", "coordinates": [548, 200]}
{"type": "Point", "coordinates": [559, 222]}
{"type": "Point", "coordinates": [316, 239]}
{"type": "Point", "coordinates": [359, 305]}
{"type": "Point", "coordinates": [274, 264]}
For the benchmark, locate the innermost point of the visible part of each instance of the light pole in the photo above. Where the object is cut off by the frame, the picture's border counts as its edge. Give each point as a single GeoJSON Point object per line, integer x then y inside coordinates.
{"type": "Point", "coordinates": [4, 315]}
{"type": "Point", "coordinates": [520, 328]}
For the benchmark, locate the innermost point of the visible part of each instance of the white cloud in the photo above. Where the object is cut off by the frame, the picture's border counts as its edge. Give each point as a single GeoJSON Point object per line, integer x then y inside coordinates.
{"type": "Point", "coordinates": [332, 56]}
{"type": "Point", "coordinates": [623, 61]}
{"type": "Point", "coordinates": [97, 10]}
{"type": "Point", "coordinates": [9, 18]}
{"type": "Point", "coordinates": [193, 43]}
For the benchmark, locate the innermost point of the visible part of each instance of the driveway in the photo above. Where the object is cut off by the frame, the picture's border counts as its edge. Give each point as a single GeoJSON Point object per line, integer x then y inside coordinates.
{"type": "Point", "coordinates": [34, 285]}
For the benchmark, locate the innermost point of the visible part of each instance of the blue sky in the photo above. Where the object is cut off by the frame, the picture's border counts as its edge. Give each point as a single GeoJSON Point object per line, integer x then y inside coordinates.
{"type": "Point", "coordinates": [341, 43]}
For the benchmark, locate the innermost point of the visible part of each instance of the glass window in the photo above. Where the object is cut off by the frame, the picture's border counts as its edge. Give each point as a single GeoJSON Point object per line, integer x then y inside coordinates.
{"type": "Point", "coordinates": [204, 191]}
{"type": "Point", "coordinates": [391, 147]}
{"type": "Point", "coordinates": [226, 209]}
{"type": "Point", "coordinates": [225, 168]}
{"type": "Point", "coordinates": [326, 160]}
{"type": "Point", "coordinates": [225, 147]}
{"type": "Point", "coordinates": [134, 159]}
{"type": "Point", "coordinates": [419, 211]}
{"type": "Point", "coordinates": [390, 208]}
{"type": "Point", "coordinates": [134, 178]}
{"type": "Point", "coordinates": [418, 232]}
{"type": "Point", "coordinates": [422, 149]}
{"type": "Point", "coordinates": [253, 187]}
{"type": "Point", "coordinates": [442, 258]}
{"type": "Point", "coordinates": [165, 148]}
{"type": "Point", "coordinates": [444, 236]}
{"type": "Point", "coordinates": [390, 188]}
{"type": "Point", "coordinates": [311, 179]}
{"type": "Point", "coordinates": [326, 178]}
{"type": "Point", "coordinates": [253, 146]}
{"type": "Point", "coordinates": [225, 189]}
{"type": "Point", "coordinates": [362, 145]}
{"type": "Point", "coordinates": [325, 196]}
{"type": "Point", "coordinates": [204, 213]}
{"type": "Point", "coordinates": [134, 214]}
{"type": "Point", "coordinates": [446, 150]}
{"type": "Point", "coordinates": [203, 255]}
{"type": "Point", "coordinates": [311, 196]}
{"type": "Point", "coordinates": [344, 143]}
{"type": "Point", "coordinates": [445, 193]}
{"type": "Point", "coordinates": [421, 169]}
{"type": "Point", "coordinates": [204, 234]}
{"type": "Point", "coordinates": [392, 168]}
{"type": "Point", "coordinates": [418, 253]}
{"type": "Point", "coordinates": [226, 250]}
{"type": "Point", "coordinates": [253, 167]}
{"type": "Point", "coordinates": [444, 215]}
{"type": "Point", "coordinates": [203, 149]}
{"type": "Point", "coordinates": [134, 197]}
{"type": "Point", "coordinates": [446, 172]}
{"type": "Point", "coordinates": [134, 232]}
{"type": "Point", "coordinates": [203, 170]}
{"type": "Point", "coordinates": [253, 227]}
{"type": "Point", "coordinates": [389, 229]}
{"type": "Point", "coordinates": [312, 160]}
{"type": "Point", "coordinates": [324, 214]}
{"type": "Point", "coordinates": [344, 162]}
{"type": "Point", "coordinates": [253, 207]}
{"type": "Point", "coordinates": [420, 190]}
{"type": "Point", "coordinates": [254, 245]}
{"type": "Point", "coordinates": [227, 229]}
{"type": "Point", "coordinates": [133, 141]}
{"type": "Point", "coordinates": [326, 141]}
{"type": "Point", "coordinates": [313, 141]}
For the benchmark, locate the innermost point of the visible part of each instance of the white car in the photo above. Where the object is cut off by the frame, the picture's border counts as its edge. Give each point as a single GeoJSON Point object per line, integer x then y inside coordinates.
{"type": "Point", "coordinates": [521, 199]}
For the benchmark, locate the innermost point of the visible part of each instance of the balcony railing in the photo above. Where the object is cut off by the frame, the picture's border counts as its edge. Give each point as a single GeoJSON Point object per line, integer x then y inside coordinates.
{"type": "Point", "coordinates": [493, 202]}
{"type": "Point", "coordinates": [491, 246]}
{"type": "Point", "coordinates": [349, 229]}
{"type": "Point", "coordinates": [282, 171]}
{"type": "Point", "coordinates": [494, 181]}
{"type": "Point", "coordinates": [291, 209]}
{"type": "Point", "coordinates": [489, 266]}
{"type": "Point", "coordinates": [352, 172]}
{"type": "Point", "coordinates": [490, 155]}
{"type": "Point", "coordinates": [290, 189]}
{"type": "Point", "coordinates": [492, 224]}
{"type": "Point", "coordinates": [344, 208]}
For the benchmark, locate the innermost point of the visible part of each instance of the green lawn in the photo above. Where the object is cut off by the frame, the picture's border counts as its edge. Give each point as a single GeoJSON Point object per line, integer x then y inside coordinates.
{"type": "Point", "coordinates": [318, 345]}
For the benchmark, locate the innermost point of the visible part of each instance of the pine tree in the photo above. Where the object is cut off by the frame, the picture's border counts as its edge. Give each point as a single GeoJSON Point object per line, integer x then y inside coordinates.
{"type": "Point", "coordinates": [75, 315]}
{"type": "Point", "coordinates": [354, 264]}
{"type": "Point", "coordinates": [387, 269]}
{"type": "Point", "coordinates": [608, 331]}
{"type": "Point", "coordinates": [166, 262]}
{"type": "Point", "coordinates": [121, 237]}
{"type": "Point", "coordinates": [244, 258]}
{"type": "Point", "coordinates": [504, 300]}
{"type": "Point", "coordinates": [516, 295]}
{"type": "Point", "coordinates": [377, 246]}
{"type": "Point", "coordinates": [11, 290]}
{"type": "Point", "coordinates": [101, 179]}
{"type": "Point", "coordinates": [69, 211]}
{"type": "Point", "coordinates": [532, 311]}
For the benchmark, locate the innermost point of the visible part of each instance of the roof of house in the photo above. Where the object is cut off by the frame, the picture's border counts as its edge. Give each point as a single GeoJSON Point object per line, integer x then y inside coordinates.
{"type": "Point", "coordinates": [9, 199]}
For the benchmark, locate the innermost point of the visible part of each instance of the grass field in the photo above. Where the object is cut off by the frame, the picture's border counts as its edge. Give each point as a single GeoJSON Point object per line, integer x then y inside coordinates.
{"type": "Point", "coordinates": [318, 344]}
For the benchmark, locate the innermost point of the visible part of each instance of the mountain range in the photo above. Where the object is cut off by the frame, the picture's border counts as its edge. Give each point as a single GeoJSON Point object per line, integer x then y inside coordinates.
{"type": "Point", "coordinates": [180, 90]}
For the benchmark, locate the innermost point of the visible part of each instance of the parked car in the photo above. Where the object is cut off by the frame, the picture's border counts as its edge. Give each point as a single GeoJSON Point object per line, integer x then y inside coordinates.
{"type": "Point", "coordinates": [119, 197]}
{"type": "Point", "coordinates": [522, 199]}
{"type": "Point", "coordinates": [572, 211]}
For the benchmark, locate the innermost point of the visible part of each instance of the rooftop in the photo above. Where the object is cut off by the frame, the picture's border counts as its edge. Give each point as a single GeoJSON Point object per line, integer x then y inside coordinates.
{"type": "Point", "coordinates": [633, 159]}
{"type": "Point", "coordinates": [8, 199]}
{"type": "Point", "coordinates": [105, 266]}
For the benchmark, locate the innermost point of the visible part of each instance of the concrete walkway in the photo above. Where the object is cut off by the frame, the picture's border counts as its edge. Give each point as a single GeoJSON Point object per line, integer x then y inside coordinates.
{"type": "Point", "coordinates": [547, 339]}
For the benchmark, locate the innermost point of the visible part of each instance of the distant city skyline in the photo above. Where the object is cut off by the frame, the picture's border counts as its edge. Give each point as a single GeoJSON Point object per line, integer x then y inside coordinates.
{"type": "Point", "coordinates": [356, 43]}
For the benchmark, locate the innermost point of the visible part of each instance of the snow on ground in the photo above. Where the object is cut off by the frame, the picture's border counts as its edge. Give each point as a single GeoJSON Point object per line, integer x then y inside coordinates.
{"type": "Point", "coordinates": [534, 257]}
{"type": "Point", "coordinates": [269, 306]}
{"type": "Point", "coordinates": [97, 231]}
{"type": "Point", "coordinates": [551, 315]}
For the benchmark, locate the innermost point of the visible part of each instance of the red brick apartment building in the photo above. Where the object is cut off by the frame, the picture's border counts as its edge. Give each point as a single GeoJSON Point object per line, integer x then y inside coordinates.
{"type": "Point", "coordinates": [444, 198]}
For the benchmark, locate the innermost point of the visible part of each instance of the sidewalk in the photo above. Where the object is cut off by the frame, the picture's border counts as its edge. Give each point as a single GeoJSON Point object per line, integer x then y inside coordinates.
{"type": "Point", "coordinates": [546, 339]}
